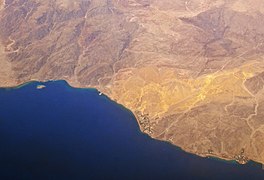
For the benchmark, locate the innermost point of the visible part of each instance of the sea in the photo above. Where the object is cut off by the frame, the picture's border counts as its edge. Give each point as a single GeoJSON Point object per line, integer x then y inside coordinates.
{"type": "Point", "coordinates": [61, 133]}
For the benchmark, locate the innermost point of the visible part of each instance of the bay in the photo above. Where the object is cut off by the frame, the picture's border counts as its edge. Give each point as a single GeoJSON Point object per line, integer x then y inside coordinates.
{"type": "Point", "coordinates": [61, 132]}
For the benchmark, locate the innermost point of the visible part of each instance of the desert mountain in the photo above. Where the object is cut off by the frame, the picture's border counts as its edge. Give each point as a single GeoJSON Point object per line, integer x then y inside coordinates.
{"type": "Point", "coordinates": [192, 71]}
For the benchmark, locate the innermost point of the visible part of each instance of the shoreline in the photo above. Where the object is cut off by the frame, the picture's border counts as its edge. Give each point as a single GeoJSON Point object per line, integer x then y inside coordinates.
{"type": "Point", "coordinates": [75, 86]}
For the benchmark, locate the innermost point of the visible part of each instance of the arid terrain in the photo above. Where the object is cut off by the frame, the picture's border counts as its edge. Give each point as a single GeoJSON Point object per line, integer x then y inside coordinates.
{"type": "Point", "coordinates": [192, 71]}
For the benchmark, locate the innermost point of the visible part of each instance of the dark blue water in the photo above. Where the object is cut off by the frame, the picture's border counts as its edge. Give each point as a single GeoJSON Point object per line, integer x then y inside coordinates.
{"type": "Point", "coordinates": [66, 133]}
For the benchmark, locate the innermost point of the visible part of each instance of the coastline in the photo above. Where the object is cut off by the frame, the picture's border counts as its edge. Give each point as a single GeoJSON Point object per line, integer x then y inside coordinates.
{"type": "Point", "coordinates": [104, 95]}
